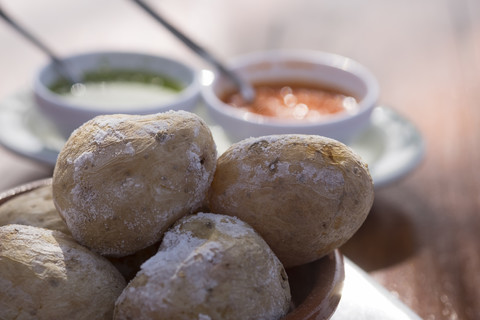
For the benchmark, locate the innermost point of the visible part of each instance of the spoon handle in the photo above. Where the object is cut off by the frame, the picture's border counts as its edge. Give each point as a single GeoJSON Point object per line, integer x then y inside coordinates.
{"type": "Point", "coordinates": [61, 69]}
{"type": "Point", "coordinates": [246, 90]}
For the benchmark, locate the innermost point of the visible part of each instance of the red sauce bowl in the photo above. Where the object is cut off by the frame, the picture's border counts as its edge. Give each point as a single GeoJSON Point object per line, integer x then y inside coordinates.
{"type": "Point", "coordinates": [319, 69]}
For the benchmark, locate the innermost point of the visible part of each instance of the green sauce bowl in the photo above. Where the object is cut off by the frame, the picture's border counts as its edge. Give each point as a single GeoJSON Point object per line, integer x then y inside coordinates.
{"type": "Point", "coordinates": [111, 83]}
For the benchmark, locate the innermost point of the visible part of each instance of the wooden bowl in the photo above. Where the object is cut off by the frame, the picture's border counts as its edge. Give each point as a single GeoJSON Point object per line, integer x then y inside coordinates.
{"type": "Point", "coordinates": [316, 287]}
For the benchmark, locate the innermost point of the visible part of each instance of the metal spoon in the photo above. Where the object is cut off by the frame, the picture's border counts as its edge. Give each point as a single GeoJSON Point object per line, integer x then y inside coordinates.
{"type": "Point", "coordinates": [246, 90]}
{"type": "Point", "coordinates": [60, 67]}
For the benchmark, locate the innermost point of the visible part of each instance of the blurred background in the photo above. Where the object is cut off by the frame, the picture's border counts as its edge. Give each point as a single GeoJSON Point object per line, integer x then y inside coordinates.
{"type": "Point", "coordinates": [392, 38]}
{"type": "Point", "coordinates": [415, 48]}
{"type": "Point", "coordinates": [426, 56]}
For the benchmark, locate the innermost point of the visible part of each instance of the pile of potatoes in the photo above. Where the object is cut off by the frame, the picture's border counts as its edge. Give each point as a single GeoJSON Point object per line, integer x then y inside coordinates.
{"type": "Point", "coordinates": [213, 236]}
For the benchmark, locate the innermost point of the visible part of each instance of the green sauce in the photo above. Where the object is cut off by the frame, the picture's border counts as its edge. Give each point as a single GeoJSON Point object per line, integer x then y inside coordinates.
{"type": "Point", "coordinates": [119, 90]}
{"type": "Point", "coordinates": [63, 87]}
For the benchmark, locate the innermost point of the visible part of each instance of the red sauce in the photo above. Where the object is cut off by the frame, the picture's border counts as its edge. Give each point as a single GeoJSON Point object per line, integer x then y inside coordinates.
{"type": "Point", "coordinates": [294, 101]}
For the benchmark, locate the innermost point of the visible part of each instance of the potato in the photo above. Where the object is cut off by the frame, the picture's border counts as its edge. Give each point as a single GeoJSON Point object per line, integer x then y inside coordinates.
{"type": "Point", "coordinates": [120, 180]}
{"type": "Point", "coordinates": [305, 195]}
{"type": "Point", "coordinates": [208, 266]}
{"type": "Point", "coordinates": [45, 274]}
{"type": "Point", "coordinates": [34, 208]}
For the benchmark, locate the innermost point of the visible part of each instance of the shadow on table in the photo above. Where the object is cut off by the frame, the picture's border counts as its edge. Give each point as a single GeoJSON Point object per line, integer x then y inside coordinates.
{"type": "Point", "coordinates": [383, 240]}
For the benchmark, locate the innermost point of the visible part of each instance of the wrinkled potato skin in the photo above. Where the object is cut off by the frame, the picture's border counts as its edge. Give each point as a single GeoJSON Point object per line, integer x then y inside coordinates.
{"type": "Point", "coordinates": [45, 275]}
{"type": "Point", "coordinates": [305, 195]}
{"type": "Point", "coordinates": [34, 208]}
{"type": "Point", "coordinates": [219, 274]}
{"type": "Point", "coordinates": [120, 181]}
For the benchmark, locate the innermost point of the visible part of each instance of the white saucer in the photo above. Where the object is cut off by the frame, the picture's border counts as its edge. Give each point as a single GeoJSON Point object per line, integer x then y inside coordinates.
{"type": "Point", "coordinates": [391, 146]}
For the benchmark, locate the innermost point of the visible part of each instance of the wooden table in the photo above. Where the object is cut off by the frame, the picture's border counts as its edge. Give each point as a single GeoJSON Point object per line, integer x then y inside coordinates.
{"type": "Point", "coordinates": [422, 238]}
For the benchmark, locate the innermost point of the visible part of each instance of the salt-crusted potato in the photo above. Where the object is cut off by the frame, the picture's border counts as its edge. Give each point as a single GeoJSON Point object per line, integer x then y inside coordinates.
{"type": "Point", "coordinates": [33, 208]}
{"type": "Point", "coordinates": [209, 266]}
{"type": "Point", "coordinates": [305, 195]}
{"type": "Point", "coordinates": [121, 180]}
{"type": "Point", "coordinates": [45, 274]}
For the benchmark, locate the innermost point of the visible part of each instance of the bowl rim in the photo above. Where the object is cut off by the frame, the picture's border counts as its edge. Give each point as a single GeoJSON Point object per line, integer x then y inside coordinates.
{"type": "Point", "coordinates": [328, 281]}
{"type": "Point", "coordinates": [191, 89]}
{"type": "Point", "coordinates": [341, 63]}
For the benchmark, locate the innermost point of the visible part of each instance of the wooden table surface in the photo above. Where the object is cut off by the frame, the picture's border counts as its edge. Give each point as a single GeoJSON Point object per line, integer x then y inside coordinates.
{"type": "Point", "coordinates": [422, 238]}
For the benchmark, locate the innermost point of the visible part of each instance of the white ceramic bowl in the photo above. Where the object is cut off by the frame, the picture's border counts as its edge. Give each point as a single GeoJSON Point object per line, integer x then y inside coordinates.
{"type": "Point", "coordinates": [68, 115]}
{"type": "Point", "coordinates": [324, 69]}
